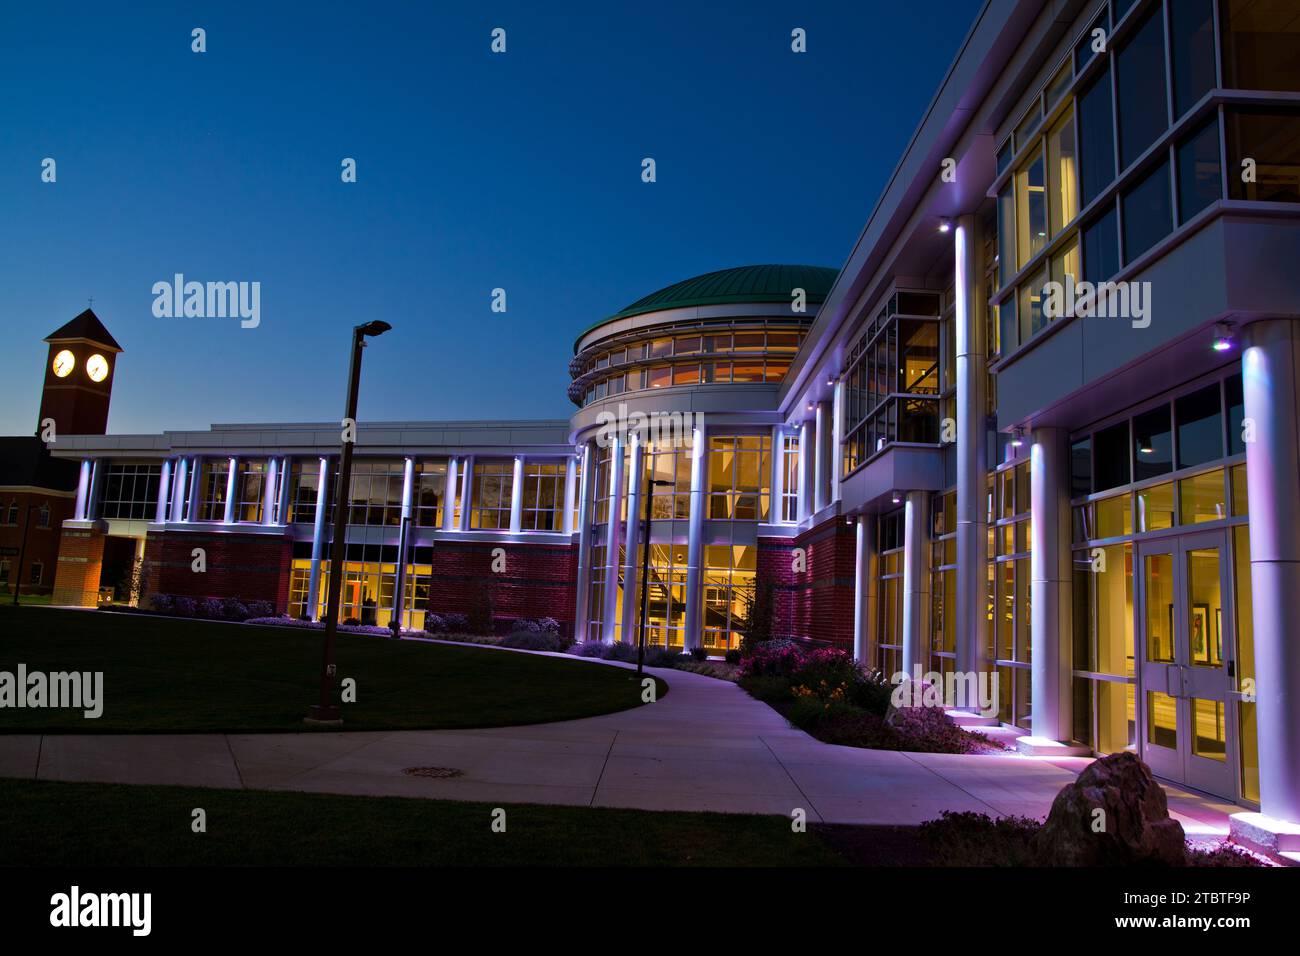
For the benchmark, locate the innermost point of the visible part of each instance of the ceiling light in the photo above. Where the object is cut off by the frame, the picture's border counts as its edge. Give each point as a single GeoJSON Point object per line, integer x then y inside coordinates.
{"type": "Point", "coordinates": [1223, 339]}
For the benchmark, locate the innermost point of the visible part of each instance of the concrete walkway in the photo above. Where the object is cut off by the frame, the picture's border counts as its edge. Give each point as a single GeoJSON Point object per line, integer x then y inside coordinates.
{"type": "Point", "coordinates": [707, 745]}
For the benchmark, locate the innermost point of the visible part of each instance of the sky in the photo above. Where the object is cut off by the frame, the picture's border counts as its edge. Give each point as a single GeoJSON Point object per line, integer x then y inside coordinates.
{"type": "Point", "coordinates": [475, 171]}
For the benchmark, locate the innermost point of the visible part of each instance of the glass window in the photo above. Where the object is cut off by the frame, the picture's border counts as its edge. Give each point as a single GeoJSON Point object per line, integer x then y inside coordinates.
{"type": "Point", "coordinates": [1201, 498]}
{"type": "Point", "coordinates": [1096, 138]}
{"type": "Point", "coordinates": [1060, 83]}
{"type": "Point", "coordinates": [1272, 141]}
{"type": "Point", "coordinates": [430, 488]}
{"type": "Point", "coordinates": [1063, 173]}
{"type": "Point", "coordinates": [1155, 507]}
{"type": "Point", "coordinates": [1008, 327]}
{"type": "Point", "coordinates": [130, 490]}
{"type": "Point", "coordinates": [492, 489]}
{"type": "Point", "coordinates": [1200, 427]}
{"type": "Point", "coordinates": [1006, 235]}
{"type": "Point", "coordinates": [1140, 74]}
{"type": "Point", "coordinates": [1112, 457]}
{"type": "Point", "coordinates": [1153, 444]}
{"type": "Point", "coordinates": [1085, 50]}
{"type": "Point", "coordinates": [250, 484]}
{"type": "Point", "coordinates": [543, 497]}
{"type": "Point", "coordinates": [1191, 45]}
{"type": "Point", "coordinates": [1031, 305]}
{"type": "Point", "coordinates": [1081, 468]}
{"type": "Point", "coordinates": [1066, 263]}
{"type": "Point", "coordinates": [1236, 414]}
{"type": "Point", "coordinates": [1199, 174]}
{"type": "Point", "coordinates": [1261, 45]}
{"type": "Point", "coordinates": [1114, 518]}
{"type": "Point", "coordinates": [1148, 216]}
{"type": "Point", "coordinates": [1029, 125]}
{"type": "Point", "coordinates": [1031, 208]}
{"type": "Point", "coordinates": [1101, 247]}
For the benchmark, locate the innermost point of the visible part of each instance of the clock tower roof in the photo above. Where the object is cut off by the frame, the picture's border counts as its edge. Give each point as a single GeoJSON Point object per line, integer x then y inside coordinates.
{"type": "Point", "coordinates": [86, 327]}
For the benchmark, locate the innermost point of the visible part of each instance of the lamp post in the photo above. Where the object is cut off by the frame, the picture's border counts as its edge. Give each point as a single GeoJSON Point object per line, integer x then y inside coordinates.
{"type": "Point", "coordinates": [22, 551]}
{"type": "Point", "coordinates": [645, 571]}
{"type": "Point", "coordinates": [326, 711]}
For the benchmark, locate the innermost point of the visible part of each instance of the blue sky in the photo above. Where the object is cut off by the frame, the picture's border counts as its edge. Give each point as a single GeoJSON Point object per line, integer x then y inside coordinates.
{"type": "Point", "coordinates": [475, 171]}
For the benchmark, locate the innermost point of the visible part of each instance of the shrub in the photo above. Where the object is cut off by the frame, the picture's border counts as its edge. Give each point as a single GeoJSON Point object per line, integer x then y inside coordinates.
{"type": "Point", "coordinates": [973, 839]}
{"type": "Point", "coordinates": [872, 692]}
{"type": "Point", "coordinates": [620, 651]}
{"type": "Point", "coordinates": [434, 623]}
{"type": "Point", "coordinates": [351, 621]}
{"type": "Point", "coordinates": [699, 653]}
{"type": "Point", "coordinates": [162, 603]}
{"type": "Point", "coordinates": [762, 687]}
{"type": "Point", "coordinates": [456, 623]}
{"type": "Point", "coordinates": [261, 609]}
{"type": "Point", "coordinates": [232, 609]}
{"type": "Point", "coordinates": [548, 625]}
{"type": "Point", "coordinates": [808, 711]}
{"type": "Point", "coordinates": [183, 606]}
{"type": "Point", "coordinates": [589, 649]}
{"type": "Point", "coordinates": [535, 641]}
{"type": "Point", "coordinates": [771, 660]}
{"type": "Point", "coordinates": [210, 608]}
{"type": "Point", "coordinates": [755, 624]}
{"type": "Point", "coordinates": [733, 657]}
{"type": "Point", "coordinates": [656, 656]}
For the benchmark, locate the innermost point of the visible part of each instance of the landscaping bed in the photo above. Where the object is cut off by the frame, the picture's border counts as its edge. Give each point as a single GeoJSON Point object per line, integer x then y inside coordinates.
{"type": "Point", "coordinates": [828, 694]}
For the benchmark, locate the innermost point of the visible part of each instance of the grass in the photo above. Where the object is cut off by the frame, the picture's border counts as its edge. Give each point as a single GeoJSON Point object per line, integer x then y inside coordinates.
{"type": "Point", "coordinates": [49, 824]}
{"type": "Point", "coordinates": [177, 675]}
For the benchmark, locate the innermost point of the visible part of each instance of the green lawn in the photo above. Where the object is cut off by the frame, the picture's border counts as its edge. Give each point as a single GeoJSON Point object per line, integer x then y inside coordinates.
{"type": "Point", "coordinates": [90, 824]}
{"type": "Point", "coordinates": [174, 675]}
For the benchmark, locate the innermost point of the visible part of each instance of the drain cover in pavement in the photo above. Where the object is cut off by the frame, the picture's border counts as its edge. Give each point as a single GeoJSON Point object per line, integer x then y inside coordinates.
{"type": "Point", "coordinates": [440, 772]}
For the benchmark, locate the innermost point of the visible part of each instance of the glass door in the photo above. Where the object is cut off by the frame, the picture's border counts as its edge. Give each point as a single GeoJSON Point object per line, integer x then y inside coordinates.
{"type": "Point", "coordinates": [1186, 624]}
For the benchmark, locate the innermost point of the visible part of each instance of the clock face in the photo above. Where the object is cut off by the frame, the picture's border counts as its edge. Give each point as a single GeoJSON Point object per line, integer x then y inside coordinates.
{"type": "Point", "coordinates": [97, 367]}
{"type": "Point", "coordinates": [63, 363]}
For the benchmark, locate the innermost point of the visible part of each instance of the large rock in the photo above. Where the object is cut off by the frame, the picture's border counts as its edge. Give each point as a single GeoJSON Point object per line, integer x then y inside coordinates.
{"type": "Point", "coordinates": [1134, 829]}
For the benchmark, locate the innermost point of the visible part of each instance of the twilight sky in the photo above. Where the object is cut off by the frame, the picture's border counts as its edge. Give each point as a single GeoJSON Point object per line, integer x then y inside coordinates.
{"type": "Point", "coordinates": [474, 171]}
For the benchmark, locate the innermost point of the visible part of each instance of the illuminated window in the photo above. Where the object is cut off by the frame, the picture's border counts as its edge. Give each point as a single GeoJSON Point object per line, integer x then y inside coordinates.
{"type": "Point", "coordinates": [493, 484]}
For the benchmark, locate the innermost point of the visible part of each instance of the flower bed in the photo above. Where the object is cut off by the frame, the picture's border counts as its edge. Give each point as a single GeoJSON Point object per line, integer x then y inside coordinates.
{"type": "Point", "coordinates": [827, 693]}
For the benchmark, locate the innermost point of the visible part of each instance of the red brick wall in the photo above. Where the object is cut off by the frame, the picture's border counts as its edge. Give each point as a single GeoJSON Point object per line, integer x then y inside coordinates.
{"type": "Point", "coordinates": [81, 556]}
{"type": "Point", "coordinates": [539, 580]}
{"type": "Point", "coordinates": [816, 603]}
{"type": "Point", "coordinates": [252, 567]}
{"type": "Point", "coordinates": [42, 543]}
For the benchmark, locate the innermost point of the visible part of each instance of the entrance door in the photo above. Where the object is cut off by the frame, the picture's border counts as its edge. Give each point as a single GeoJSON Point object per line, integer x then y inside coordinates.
{"type": "Point", "coordinates": [1186, 627]}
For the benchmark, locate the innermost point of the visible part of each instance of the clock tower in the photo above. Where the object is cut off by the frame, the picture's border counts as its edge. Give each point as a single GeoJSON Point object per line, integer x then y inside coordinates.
{"type": "Point", "coordinates": [79, 377]}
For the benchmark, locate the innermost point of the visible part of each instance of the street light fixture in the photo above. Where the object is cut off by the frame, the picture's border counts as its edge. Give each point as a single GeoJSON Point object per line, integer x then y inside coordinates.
{"type": "Point", "coordinates": [326, 711]}
{"type": "Point", "coordinates": [645, 571]}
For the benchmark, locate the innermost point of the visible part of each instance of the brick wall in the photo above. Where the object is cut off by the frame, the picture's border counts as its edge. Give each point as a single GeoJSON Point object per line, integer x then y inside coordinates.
{"type": "Point", "coordinates": [81, 556]}
{"type": "Point", "coordinates": [252, 567]}
{"type": "Point", "coordinates": [538, 580]}
{"type": "Point", "coordinates": [815, 603]}
{"type": "Point", "coordinates": [42, 543]}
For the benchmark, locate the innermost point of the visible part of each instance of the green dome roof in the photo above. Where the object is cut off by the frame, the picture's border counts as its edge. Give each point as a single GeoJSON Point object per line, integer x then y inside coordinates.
{"type": "Point", "coordinates": [744, 284]}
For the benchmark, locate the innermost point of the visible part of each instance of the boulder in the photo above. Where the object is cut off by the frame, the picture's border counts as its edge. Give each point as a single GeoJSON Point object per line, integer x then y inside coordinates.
{"type": "Point", "coordinates": [1134, 829]}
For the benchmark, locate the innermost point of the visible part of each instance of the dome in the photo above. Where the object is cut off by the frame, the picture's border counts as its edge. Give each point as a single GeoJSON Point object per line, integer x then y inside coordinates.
{"type": "Point", "coordinates": [770, 283]}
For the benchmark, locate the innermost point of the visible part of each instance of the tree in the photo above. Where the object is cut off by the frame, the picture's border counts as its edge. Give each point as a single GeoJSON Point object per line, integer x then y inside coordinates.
{"type": "Point", "coordinates": [756, 622]}
{"type": "Point", "coordinates": [481, 616]}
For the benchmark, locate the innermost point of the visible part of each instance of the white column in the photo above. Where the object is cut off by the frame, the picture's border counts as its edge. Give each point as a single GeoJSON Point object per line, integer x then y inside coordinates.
{"type": "Point", "coordinates": [570, 491]}
{"type": "Point", "coordinates": [83, 490]}
{"type": "Point", "coordinates": [632, 539]}
{"type": "Point", "coordinates": [286, 475]}
{"type": "Point", "coordinates": [837, 438]}
{"type": "Point", "coordinates": [695, 539]}
{"type": "Point", "coordinates": [96, 489]}
{"type": "Point", "coordinates": [586, 574]}
{"type": "Point", "coordinates": [403, 535]}
{"type": "Point", "coordinates": [517, 496]}
{"type": "Point", "coordinates": [164, 483]}
{"type": "Point", "coordinates": [1050, 594]}
{"type": "Point", "coordinates": [778, 475]}
{"type": "Point", "coordinates": [180, 485]}
{"type": "Point", "coordinates": [317, 539]}
{"type": "Point", "coordinates": [449, 497]}
{"type": "Point", "coordinates": [467, 492]}
{"type": "Point", "coordinates": [807, 455]}
{"type": "Point", "coordinates": [230, 491]}
{"type": "Point", "coordinates": [864, 591]}
{"type": "Point", "coordinates": [822, 496]}
{"type": "Point", "coordinates": [268, 490]}
{"type": "Point", "coordinates": [1271, 388]}
{"type": "Point", "coordinates": [612, 535]}
{"type": "Point", "coordinates": [916, 579]}
{"type": "Point", "coordinates": [195, 491]}
{"type": "Point", "coordinates": [971, 618]}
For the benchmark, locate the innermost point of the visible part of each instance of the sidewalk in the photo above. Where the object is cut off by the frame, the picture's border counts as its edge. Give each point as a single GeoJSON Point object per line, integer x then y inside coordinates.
{"type": "Point", "coordinates": [707, 745]}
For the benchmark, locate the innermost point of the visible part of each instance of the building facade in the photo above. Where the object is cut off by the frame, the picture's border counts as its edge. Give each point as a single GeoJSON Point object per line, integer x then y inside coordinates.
{"type": "Point", "coordinates": [1043, 423]}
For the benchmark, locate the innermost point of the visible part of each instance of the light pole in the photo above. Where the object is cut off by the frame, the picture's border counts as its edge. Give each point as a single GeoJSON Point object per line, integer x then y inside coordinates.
{"type": "Point", "coordinates": [326, 711]}
{"type": "Point", "coordinates": [645, 571]}
{"type": "Point", "coordinates": [22, 551]}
